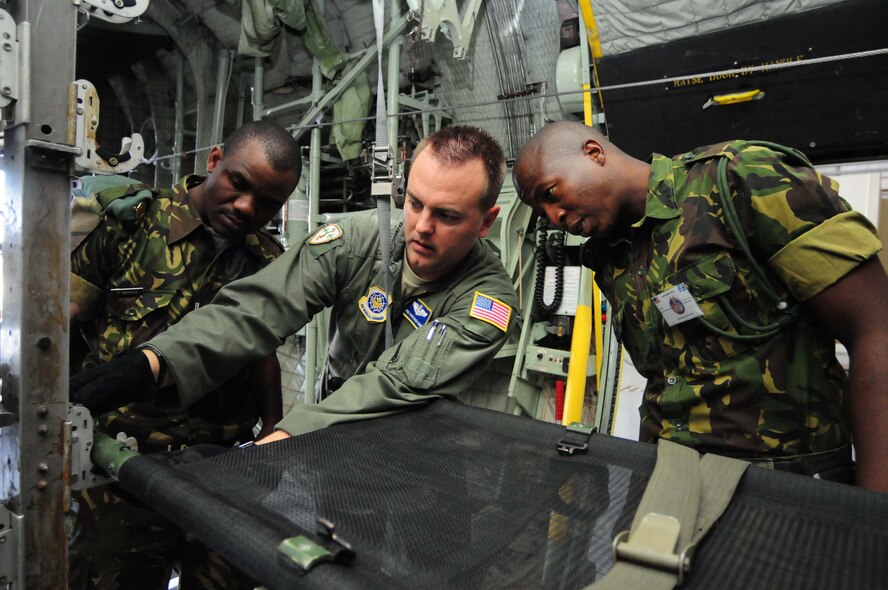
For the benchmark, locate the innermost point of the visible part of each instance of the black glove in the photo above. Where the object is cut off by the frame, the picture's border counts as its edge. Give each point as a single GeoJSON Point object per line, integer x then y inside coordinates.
{"type": "Point", "coordinates": [122, 380]}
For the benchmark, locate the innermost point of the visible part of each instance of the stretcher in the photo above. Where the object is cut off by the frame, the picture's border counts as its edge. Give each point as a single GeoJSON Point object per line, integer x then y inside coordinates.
{"type": "Point", "coordinates": [451, 496]}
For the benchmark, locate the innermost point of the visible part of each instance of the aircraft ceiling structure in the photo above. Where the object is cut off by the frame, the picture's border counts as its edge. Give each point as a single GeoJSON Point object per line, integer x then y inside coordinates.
{"type": "Point", "coordinates": [513, 53]}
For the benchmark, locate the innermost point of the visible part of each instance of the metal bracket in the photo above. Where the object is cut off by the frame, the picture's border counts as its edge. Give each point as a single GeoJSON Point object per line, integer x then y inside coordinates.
{"type": "Point", "coordinates": [114, 11]}
{"type": "Point", "coordinates": [11, 551]}
{"type": "Point", "coordinates": [653, 545]}
{"type": "Point", "coordinates": [445, 14]}
{"type": "Point", "coordinates": [386, 180]}
{"type": "Point", "coordinates": [83, 475]}
{"type": "Point", "coordinates": [427, 104]}
{"type": "Point", "coordinates": [49, 155]}
{"type": "Point", "coordinates": [93, 157]}
{"type": "Point", "coordinates": [9, 60]}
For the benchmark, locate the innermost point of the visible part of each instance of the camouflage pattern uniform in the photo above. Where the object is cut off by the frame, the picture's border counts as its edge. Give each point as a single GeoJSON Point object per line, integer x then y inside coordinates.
{"type": "Point", "coordinates": [339, 267]}
{"type": "Point", "coordinates": [149, 262]}
{"type": "Point", "coordinates": [775, 396]}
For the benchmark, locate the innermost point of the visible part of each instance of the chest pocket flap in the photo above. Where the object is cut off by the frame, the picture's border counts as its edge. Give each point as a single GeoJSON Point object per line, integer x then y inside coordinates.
{"type": "Point", "coordinates": [137, 307]}
{"type": "Point", "coordinates": [709, 276]}
{"type": "Point", "coordinates": [707, 279]}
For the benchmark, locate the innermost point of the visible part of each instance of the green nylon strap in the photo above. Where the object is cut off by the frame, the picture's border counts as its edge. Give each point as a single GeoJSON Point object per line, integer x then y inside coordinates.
{"type": "Point", "coordinates": [687, 493]}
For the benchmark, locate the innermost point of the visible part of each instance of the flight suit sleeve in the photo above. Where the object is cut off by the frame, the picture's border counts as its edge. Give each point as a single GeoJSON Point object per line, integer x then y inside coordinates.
{"type": "Point", "coordinates": [250, 318]}
{"type": "Point", "coordinates": [415, 370]}
{"type": "Point", "coordinates": [808, 233]}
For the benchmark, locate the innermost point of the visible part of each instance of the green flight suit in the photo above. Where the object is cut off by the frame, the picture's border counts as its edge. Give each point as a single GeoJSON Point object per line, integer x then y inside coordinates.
{"type": "Point", "coordinates": [142, 260]}
{"type": "Point", "coordinates": [339, 267]}
{"type": "Point", "coordinates": [779, 395]}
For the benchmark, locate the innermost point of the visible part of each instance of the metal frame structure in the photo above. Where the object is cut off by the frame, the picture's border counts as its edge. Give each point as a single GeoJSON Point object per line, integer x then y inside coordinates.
{"type": "Point", "coordinates": [38, 154]}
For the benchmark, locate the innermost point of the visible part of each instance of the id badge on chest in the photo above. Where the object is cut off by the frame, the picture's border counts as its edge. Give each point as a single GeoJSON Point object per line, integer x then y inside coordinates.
{"type": "Point", "coordinates": [677, 305]}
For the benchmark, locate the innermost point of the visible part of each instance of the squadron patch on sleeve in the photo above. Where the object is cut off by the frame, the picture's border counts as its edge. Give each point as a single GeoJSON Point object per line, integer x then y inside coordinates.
{"type": "Point", "coordinates": [418, 313]}
{"type": "Point", "coordinates": [328, 233]}
{"type": "Point", "coordinates": [491, 310]}
{"type": "Point", "coordinates": [374, 305]}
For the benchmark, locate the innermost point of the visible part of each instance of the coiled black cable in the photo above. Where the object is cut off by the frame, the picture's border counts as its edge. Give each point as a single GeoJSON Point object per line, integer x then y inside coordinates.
{"type": "Point", "coordinates": [558, 263]}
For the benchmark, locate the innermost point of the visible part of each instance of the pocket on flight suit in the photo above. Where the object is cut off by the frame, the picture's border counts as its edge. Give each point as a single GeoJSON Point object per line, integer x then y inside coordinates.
{"type": "Point", "coordinates": [420, 364]}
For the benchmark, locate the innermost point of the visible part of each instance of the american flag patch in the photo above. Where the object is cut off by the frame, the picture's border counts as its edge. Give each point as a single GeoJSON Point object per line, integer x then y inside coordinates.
{"type": "Point", "coordinates": [490, 310]}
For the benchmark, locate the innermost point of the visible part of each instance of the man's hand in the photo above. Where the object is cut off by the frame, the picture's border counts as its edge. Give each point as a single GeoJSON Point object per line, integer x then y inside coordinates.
{"type": "Point", "coordinates": [266, 430]}
{"type": "Point", "coordinates": [275, 436]}
{"type": "Point", "coordinates": [122, 380]}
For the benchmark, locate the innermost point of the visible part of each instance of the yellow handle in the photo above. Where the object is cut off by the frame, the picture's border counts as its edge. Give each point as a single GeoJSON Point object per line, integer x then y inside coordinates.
{"type": "Point", "coordinates": [723, 99]}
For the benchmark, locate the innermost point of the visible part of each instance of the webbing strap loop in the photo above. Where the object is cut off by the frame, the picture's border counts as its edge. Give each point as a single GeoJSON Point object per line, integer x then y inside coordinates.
{"type": "Point", "coordinates": [576, 438]}
{"type": "Point", "coordinates": [686, 494]}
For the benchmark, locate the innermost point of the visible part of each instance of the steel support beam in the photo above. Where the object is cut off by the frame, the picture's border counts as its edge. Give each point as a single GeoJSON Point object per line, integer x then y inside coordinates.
{"type": "Point", "coordinates": [34, 331]}
{"type": "Point", "coordinates": [391, 35]}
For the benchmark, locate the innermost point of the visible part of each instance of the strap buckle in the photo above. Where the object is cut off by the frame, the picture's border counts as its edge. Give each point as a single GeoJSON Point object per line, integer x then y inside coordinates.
{"type": "Point", "coordinates": [576, 438]}
{"type": "Point", "coordinates": [653, 545]}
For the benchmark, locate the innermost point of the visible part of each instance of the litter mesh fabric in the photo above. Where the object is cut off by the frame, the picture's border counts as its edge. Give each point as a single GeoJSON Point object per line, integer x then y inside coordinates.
{"type": "Point", "coordinates": [457, 497]}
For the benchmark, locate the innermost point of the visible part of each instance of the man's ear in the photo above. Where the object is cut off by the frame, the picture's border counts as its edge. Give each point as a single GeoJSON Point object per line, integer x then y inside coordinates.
{"type": "Point", "coordinates": [214, 158]}
{"type": "Point", "coordinates": [489, 218]}
{"type": "Point", "coordinates": [594, 151]}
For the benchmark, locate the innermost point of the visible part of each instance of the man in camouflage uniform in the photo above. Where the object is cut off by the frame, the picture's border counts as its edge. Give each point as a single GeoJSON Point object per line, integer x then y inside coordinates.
{"type": "Point", "coordinates": [734, 327]}
{"type": "Point", "coordinates": [451, 303]}
{"type": "Point", "coordinates": [153, 256]}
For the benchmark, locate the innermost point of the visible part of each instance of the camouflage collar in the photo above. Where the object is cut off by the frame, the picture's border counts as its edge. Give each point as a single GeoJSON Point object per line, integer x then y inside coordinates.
{"type": "Point", "coordinates": [184, 220]}
{"type": "Point", "coordinates": [183, 217]}
{"type": "Point", "coordinates": [729, 149]}
{"type": "Point", "coordinates": [263, 245]}
{"type": "Point", "coordinates": [660, 202]}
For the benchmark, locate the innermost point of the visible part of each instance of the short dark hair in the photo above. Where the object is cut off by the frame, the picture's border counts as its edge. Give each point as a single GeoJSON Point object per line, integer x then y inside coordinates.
{"type": "Point", "coordinates": [555, 141]}
{"type": "Point", "coordinates": [281, 149]}
{"type": "Point", "coordinates": [460, 144]}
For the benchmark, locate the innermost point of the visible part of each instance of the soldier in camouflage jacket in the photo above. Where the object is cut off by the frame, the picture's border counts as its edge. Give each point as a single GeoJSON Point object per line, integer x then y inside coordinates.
{"type": "Point", "coordinates": [150, 261]}
{"type": "Point", "coordinates": [738, 347]}
{"type": "Point", "coordinates": [148, 258]}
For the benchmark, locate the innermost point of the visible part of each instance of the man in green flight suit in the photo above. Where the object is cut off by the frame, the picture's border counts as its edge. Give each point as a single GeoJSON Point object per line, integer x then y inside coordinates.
{"type": "Point", "coordinates": [147, 258]}
{"type": "Point", "coordinates": [451, 305]}
{"type": "Point", "coordinates": [732, 270]}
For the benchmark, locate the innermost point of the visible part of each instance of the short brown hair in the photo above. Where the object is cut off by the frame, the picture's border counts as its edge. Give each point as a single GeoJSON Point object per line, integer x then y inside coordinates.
{"type": "Point", "coordinates": [460, 144]}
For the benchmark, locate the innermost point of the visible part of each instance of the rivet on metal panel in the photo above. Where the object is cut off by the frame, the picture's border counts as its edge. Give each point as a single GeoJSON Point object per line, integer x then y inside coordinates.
{"type": "Point", "coordinates": [42, 429]}
{"type": "Point", "coordinates": [44, 344]}
{"type": "Point", "coordinates": [42, 485]}
{"type": "Point", "coordinates": [42, 467]}
{"type": "Point", "coordinates": [42, 411]}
